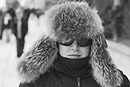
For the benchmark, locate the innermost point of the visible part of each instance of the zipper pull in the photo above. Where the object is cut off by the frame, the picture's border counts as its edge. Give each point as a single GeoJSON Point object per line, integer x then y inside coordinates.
{"type": "Point", "coordinates": [78, 80]}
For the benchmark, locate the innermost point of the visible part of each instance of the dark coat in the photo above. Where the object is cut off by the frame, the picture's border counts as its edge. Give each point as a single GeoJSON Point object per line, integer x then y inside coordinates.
{"type": "Point", "coordinates": [55, 78]}
{"type": "Point", "coordinates": [1, 23]}
{"type": "Point", "coordinates": [63, 22]}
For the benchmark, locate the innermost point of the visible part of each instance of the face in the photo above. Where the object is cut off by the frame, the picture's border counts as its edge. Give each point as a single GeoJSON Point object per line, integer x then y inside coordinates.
{"type": "Point", "coordinates": [74, 51]}
{"type": "Point", "coordinates": [19, 13]}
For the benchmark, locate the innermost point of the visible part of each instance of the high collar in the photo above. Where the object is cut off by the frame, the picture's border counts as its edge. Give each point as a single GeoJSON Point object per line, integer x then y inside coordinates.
{"type": "Point", "coordinates": [73, 67]}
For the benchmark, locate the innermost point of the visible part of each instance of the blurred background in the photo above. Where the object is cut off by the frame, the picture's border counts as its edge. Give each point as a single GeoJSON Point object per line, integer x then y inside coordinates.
{"type": "Point", "coordinates": [116, 21]}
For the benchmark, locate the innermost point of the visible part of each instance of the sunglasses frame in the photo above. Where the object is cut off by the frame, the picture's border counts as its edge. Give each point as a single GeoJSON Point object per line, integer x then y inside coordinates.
{"type": "Point", "coordinates": [80, 42]}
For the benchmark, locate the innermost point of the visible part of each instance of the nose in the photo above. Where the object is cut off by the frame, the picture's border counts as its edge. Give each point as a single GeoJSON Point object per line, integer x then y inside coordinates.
{"type": "Point", "coordinates": [75, 46]}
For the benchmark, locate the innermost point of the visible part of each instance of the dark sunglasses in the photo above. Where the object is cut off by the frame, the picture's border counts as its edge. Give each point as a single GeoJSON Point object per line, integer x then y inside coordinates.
{"type": "Point", "coordinates": [81, 42]}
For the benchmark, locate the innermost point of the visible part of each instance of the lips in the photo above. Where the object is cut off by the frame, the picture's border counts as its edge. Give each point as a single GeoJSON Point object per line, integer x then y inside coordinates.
{"type": "Point", "coordinates": [75, 55]}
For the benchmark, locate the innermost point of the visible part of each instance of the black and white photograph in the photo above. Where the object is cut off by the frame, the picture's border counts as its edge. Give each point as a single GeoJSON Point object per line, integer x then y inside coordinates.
{"type": "Point", "coordinates": [64, 43]}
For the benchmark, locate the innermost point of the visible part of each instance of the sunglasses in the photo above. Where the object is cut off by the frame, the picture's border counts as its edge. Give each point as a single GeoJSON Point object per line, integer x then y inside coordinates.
{"type": "Point", "coordinates": [81, 42]}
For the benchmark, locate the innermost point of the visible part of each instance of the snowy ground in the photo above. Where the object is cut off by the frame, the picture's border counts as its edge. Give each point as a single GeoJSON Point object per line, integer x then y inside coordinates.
{"type": "Point", "coordinates": [8, 74]}
{"type": "Point", "coordinates": [121, 56]}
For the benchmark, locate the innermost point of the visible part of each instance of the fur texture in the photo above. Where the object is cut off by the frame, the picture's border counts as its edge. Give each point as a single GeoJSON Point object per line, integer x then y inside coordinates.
{"type": "Point", "coordinates": [71, 20]}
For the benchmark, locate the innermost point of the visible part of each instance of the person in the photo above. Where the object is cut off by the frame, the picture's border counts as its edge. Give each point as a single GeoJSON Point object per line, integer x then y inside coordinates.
{"type": "Point", "coordinates": [21, 28]}
{"type": "Point", "coordinates": [1, 19]}
{"type": "Point", "coordinates": [72, 53]}
{"type": "Point", "coordinates": [7, 21]}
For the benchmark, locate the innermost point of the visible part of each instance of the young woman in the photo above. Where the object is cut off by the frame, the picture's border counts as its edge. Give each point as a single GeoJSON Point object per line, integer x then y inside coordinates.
{"type": "Point", "coordinates": [73, 53]}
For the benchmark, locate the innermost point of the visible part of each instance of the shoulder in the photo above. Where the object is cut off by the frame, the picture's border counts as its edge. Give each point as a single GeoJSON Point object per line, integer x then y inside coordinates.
{"type": "Point", "coordinates": [126, 82]}
{"type": "Point", "coordinates": [41, 81]}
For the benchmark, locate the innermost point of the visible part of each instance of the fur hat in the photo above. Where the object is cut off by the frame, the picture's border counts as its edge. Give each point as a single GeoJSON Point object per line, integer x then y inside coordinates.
{"type": "Point", "coordinates": [64, 21]}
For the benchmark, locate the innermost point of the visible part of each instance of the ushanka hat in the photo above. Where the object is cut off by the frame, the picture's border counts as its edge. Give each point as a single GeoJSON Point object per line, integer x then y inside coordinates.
{"type": "Point", "coordinates": [70, 20]}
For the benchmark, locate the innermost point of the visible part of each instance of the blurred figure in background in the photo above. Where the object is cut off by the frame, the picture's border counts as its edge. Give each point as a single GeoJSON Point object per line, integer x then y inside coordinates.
{"type": "Point", "coordinates": [22, 16]}
{"type": "Point", "coordinates": [8, 20]}
{"type": "Point", "coordinates": [7, 26]}
{"type": "Point", "coordinates": [1, 22]}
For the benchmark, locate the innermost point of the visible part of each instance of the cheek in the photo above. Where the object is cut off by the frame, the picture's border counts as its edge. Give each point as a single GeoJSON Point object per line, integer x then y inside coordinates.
{"type": "Point", "coordinates": [85, 51]}
{"type": "Point", "coordinates": [63, 50]}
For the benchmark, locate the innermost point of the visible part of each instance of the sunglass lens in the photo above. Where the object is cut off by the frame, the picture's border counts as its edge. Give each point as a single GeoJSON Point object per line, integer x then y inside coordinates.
{"type": "Point", "coordinates": [81, 42]}
{"type": "Point", "coordinates": [84, 42]}
{"type": "Point", "coordinates": [66, 43]}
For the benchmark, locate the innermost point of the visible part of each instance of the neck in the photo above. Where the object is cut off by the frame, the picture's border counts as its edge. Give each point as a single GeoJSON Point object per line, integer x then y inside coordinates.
{"type": "Point", "coordinates": [76, 67]}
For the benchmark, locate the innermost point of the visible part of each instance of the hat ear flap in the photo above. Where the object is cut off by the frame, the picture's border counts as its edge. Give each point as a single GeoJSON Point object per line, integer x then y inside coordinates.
{"type": "Point", "coordinates": [38, 59]}
{"type": "Point", "coordinates": [98, 43]}
{"type": "Point", "coordinates": [104, 70]}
